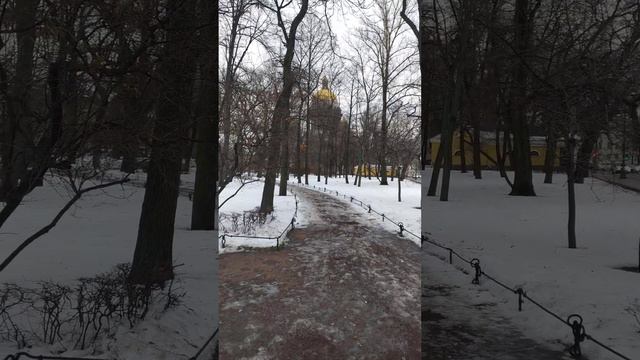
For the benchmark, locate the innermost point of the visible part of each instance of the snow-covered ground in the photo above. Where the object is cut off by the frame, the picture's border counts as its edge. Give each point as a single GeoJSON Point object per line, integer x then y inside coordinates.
{"type": "Point", "coordinates": [522, 241]}
{"type": "Point", "coordinates": [239, 216]}
{"type": "Point", "coordinates": [383, 199]}
{"type": "Point", "coordinates": [94, 236]}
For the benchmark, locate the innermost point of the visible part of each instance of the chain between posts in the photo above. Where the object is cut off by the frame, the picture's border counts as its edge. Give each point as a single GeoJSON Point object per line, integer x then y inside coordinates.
{"type": "Point", "coordinates": [369, 209]}
{"type": "Point", "coordinates": [578, 330]}
{"type": "Point", "coordinates": [574, 321]}
{"type": "Point", "coordinates": [195, 357]}
{"type": "Point", "coordinates": [289, 226]}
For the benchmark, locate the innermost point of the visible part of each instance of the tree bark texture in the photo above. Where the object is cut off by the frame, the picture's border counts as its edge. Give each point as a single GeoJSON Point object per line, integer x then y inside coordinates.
{"type": "Point", "coordinates": [153, 256]}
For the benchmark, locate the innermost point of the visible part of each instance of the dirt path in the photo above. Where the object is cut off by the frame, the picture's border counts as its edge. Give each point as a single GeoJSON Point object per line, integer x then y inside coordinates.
{"type": "Point", "coordinates": [456, 328]}
{"type": "Point", "coordinates": [342, 288]}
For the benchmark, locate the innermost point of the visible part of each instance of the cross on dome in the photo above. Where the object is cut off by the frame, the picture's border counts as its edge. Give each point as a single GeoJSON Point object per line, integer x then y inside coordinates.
{"type": "Point", "coordinates": [325, 94]}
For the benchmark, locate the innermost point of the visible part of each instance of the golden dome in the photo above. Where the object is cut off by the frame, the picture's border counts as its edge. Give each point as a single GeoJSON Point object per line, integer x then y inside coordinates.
{"type": "Point", "coordinates": [324, 93]}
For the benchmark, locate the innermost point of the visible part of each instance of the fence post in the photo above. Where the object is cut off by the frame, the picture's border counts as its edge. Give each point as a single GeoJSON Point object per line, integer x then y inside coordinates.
{"type": "Point", "coordinates": [520, 292]}
{"type": "Point", "coordinates": [369, 209]}
{"type": "Point", "coordinates": [476, 265]}
{"type": "Point", "coordinates": [450, 256]}
{"type": "Point", "coordinates": [578, 334]}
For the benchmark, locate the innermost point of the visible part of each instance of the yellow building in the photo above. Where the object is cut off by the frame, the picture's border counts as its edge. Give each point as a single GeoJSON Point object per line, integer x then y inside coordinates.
{"type": "Point", "coordinates": [488, 156]}
{"type": "Point", "coordinates": [373, 169]}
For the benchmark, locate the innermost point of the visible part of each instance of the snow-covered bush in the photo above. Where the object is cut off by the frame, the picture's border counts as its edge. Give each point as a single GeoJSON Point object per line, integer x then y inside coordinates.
{"type": "Point", "coordinates": [77, 316]}
{"type": "Point", "coordinates": [246, 222]}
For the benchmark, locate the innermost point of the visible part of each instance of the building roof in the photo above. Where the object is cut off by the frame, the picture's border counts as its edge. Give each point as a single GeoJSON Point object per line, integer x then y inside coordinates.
{"type": "Point", "coordinates": [325, 93]}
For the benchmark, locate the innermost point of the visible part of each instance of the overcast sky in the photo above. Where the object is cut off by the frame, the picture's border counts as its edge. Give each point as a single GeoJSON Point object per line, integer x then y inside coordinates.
{"type": "Point", "coordinates": [344, 20]}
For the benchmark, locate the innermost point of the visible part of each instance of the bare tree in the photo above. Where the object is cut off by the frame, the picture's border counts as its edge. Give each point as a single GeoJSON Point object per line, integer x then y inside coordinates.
{"type": "Point", "coordinates": [281, 110]}
{"type": "Point", "coordinates": [153, 256]}
{"type": "Point", "coordinates": [389, 49]}
{"type": "Point", "coordinates": [81, 70]}
{"type": "Point", "coordinates": [312, 60]}
{"type": "Point", "coordinates": [204, 210]}
{"type": "Point", "coordinates": [19, 177]}
{"type": "Point", "coordinates": [244, 27]}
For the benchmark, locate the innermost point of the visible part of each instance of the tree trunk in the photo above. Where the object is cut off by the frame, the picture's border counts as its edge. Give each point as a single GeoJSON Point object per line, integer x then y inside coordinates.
{"type": "Point", "coordinates": [96, 158]}
{"type": "Point", "coordinates": [383, 135]}
{"type": "Point", "coordinates": [307, 149]}
{"type": "Point", "coordinates": [424, 32]}
{"type": "Point", "coordinates": [477, 161]}
{"type": "Point", "coordinates": [499, 154]}
{"type": "Point", "coordinates": [204, 208]}
{"type": "Point", "coordinates": [153, 256]}
{"type": "Point", "coordinates": [16, 149]}
{"type": "Point", "coordinates": [572, 194]}
{"type": "Point", "coordinates": [299, 147]}
{"type": "Point", "coordinates": [433, 184]}
{"type": "Point", "coordinates": [584, 155]}
{"type": "Point", "coordinates": [507, 150]}
{"type": "Point", "coordinates": [549, 159]}
{"type": "Point", "coordinates": [319, 169]}
{"type": "Point", "coordinates": [281, 112]}
{"type": "Point", "coordinates": [399, 186]}
{"type": "Point", "coordinates": [188, 149]}
{"type": "Point", "coordinates": [129, 161]}
{"type": "Point", "coordinates": [463, 157]}
{"type": "Point", "coordinates": [284, 164]}
{"type": "Point", "coordinates": [452, 111]}
{"type": "Point", "coordinates": [447, 158]}
{"type": "Point", "coordinates": [347, 166]}
{"type": "Point", "coordinates": [523, 179]}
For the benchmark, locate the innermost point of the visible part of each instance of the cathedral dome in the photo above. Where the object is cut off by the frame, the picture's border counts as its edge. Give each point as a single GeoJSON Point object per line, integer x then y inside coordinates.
{"type": "Point", "coordinates": [324, 94]}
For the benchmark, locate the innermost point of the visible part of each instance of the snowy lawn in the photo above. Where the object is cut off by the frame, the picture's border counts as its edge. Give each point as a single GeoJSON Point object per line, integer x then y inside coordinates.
{"type": "Point", "coordinates": [93, 237]}
{"type": "Point", "coordinates": [522, 241]}
{"type": "Point", "coordinates": [383, 199]}
{"type": "Point", "coordinates": [239, 215]}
